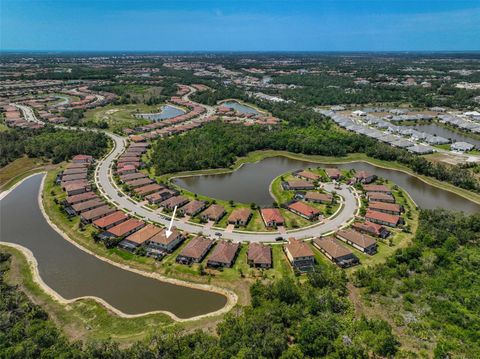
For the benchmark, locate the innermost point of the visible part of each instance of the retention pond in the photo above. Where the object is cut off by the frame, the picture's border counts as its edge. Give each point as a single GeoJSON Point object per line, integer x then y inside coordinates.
{"type": "Point", "coordinates": [73, 273]}
{"type": "Point", "coordinates": [250, 184]}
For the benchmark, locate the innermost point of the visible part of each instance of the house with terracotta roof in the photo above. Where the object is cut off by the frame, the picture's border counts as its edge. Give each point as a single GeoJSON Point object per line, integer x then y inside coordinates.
{"type": "Point", "coordinates": [132, 176]}
{"type": "Point", "coordinates": [123, 229]}
{"type": "Point", "coordinates": [126, 170]}
{"type": "Point", "coordinates": [140, 182]}
{"type": "Point", "coordinates": [76, 165]}
{"type": "Point", "coordinates": [170, 203]}
{"type": "Point", "coordinates": [390, 220]}
{"type": "Point", "coordinates": [148, 189]}
{"type": "Point", "coordinates": [223, 255]}
{"type": "Point", "coordinates": [87, 205]}
{"type": "Point", "coordinates": [240, 216]}
{"type": "Point", "coordinates": [76, 188]}
{"type": "Point", "coordinates": [74, 177]}
{"type": "Point", "coordinates": [334, 251]}
{"type": "Point", "coordinates": [380, 197]}
{"type": "Point", "coordinates": [96, 213]}
{"type": "Point", "coordinates": [304, 210]}
{"type": "Point", "coordinates": [377, 188]}
{"type": "Point", "coordinates": [298, 185]}
{"type": "Point", "coordinates": [365, 177]}
{"type": "Point", "coordinates": [192, 208]}
{"type": "Point", "coordinates": [136, 138]}
{"type": "Point", "coordinates": [390, 208]}
{"type": "Point", "coordinates": [110, 221]}
{"type": "Point", "coordinates": [371, 228]}
{"type": "Point", "coordinates": [259, 255]}
{"type": "Point", "coordinates": [82, 159]}
{"type": "Point", "coordinates": [160, 196]}
{"type": "Point", "coordinates": [358, 240]}
{"type": "Point", "coordinates": [299, 255]}
{"type": "Point", "coordinates": [78, 198]}
{"type": "Point", "coordinates": [317, 197]}
{"type": "Point", "coordinates": [74, 171]}
{"type": "Point", "coordinates": [161, 243]}
{"type": "Point", "coordinates": [272, 217]}
{"type": "Point", "coordinates": [195, 250]}
{"type": "Point", "coordinates": [309, 176]}
{"type": "Point", "coordinates": [139, 237]}
{"type": "Point", "coordinates": [333, 173]}
{"type": "Point", "coordinates": [213, 213]}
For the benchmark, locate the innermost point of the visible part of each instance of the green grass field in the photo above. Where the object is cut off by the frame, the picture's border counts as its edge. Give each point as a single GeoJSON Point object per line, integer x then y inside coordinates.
{"type": "Point", "coordinates": [19, 169]}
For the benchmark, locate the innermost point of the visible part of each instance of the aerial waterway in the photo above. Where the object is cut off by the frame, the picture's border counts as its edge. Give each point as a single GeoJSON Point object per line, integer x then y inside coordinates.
{"type": "Point", "coordinates": [73, 273]}
{"type": "Point", "coordinates": [250, 183]}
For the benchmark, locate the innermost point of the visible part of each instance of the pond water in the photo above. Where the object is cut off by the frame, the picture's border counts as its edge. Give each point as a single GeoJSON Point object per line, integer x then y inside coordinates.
{"type": "Point", "coordinates": [237, 106]}
{"type": "Point", "coordinates": [166, 113]}
{"type": "Point", "coordinates": [434, 129]}
{"type": "Point", "coordinates": [74, 273]}
{"type": "Point", "coordinates": [250, 183]}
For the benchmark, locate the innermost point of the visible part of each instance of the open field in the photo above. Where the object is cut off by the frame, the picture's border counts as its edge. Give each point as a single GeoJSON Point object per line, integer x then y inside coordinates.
{"type": "Point", "coordinates": [119, 117]}
{"type": "Point", "coordinates": [19, 169]}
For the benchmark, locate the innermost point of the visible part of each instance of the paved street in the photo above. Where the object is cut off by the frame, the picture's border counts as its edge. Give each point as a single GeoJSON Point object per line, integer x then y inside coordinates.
{"type": "Point", "coordinates": [104, 182]}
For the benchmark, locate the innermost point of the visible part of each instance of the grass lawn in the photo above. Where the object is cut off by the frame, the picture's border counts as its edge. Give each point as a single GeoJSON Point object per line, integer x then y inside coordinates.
{"type": "Point", "coordinates": [19, 169]}
{"type": "Point", "coordinates": [119, 117]}
{"type": "Point", "coordinates": [236, 278]}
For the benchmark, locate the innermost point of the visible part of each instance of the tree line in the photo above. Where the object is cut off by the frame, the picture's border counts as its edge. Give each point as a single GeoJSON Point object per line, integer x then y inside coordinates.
{"type": "Point", "coordinates": [435, 282]}
{"type": "Point", "coordinates": [287, 319]}
{"type": "Point", "coordinates": [217, 145]}
{"type": "Point", "coordinates": [56, 144]}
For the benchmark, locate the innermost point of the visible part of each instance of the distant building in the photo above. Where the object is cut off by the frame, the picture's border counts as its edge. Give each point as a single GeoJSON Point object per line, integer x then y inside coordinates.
{"type": "Point", "coordinates": [462, 146]}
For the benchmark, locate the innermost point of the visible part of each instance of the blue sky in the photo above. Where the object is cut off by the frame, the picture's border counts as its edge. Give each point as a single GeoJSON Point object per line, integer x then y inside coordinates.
{"type": "Point", "coordinates": [231, 25]}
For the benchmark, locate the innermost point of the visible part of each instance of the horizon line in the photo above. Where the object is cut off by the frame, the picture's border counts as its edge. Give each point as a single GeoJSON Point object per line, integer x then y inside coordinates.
{"type": "Point", "coordinates": [236, 51]}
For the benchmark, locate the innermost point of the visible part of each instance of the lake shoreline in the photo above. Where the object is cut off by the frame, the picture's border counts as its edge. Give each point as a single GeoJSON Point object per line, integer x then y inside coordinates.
{"type": "Point", "coordinates": [231, 297]}
{"type": "Point", "coordinates": [256, 156]}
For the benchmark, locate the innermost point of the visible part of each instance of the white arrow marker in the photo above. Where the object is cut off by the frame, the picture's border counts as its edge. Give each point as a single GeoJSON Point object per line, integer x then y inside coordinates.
{"type": "Point", "coordinates": [168, 232]}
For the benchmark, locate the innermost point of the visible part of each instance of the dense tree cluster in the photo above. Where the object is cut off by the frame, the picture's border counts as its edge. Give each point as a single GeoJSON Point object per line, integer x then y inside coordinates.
{"type": "Point", "coordinates": [58, 145]}
{"type": "Point", "coordinates": [217, 145]}
{"type": "Point", "coordinates": [435, 283]}
{"type": "Point", "coordinates": [286, 319]}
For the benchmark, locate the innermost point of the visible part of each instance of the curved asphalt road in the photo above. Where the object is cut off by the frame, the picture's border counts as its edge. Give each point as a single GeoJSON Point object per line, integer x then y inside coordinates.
{"type": "Point", "coordinates": [105, 184]}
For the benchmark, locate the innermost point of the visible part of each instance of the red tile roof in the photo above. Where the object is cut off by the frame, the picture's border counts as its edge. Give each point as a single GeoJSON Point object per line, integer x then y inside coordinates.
{"type": "Point", "coordinates": [239, 214]}
{"type": "Point", "coordinates": [144, 234]}
{"type": "Point", "coordinates": [224, 252]}
{"type": "Point", "coordinates": [376, 188]}
{"type": "Point", "coordinates": [383, 217]}
{"type": "Point", "coordinates": [382, 206]}
{"type": "Point", "coordinates": [272, 215]}
{"type": "Point", "coordinates": [196, 247]}
{"type": "Point", "coordinates": [304, 209]}
{"type": "Point", "coordinates": [259, 253]}
{"type": "Point", "coordinates": [360, 239]}
{"type": "Point", "coordinates": [110, 219]}
{"type": "Point", "coordinates": [369, 227]}
{"type": "Point", "coordinates": [307, 174]}
{"type": "Point", "coordinates": [123, 228]}
{"type": "Point", "coordinates": [331, 246]}
{"type": "Point", "coordinates": [81, 197]}
{"type": "Point", "coordinates": [298, 248]}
